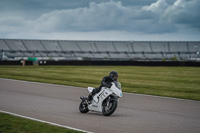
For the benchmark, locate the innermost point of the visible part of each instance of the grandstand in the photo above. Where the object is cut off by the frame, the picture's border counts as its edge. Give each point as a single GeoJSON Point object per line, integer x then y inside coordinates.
{"type": "Point", "coordinates": [17, 49]}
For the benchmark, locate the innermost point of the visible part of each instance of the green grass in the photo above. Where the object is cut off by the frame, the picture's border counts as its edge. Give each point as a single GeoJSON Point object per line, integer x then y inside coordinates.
{"type": "Point", "coordinates": [13, 124]}
{"type": "Point", "coordinates": [179, 82]}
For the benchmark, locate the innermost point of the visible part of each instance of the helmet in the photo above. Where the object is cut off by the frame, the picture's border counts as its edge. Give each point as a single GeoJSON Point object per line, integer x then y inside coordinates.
{"type": "Point", "coordinates": [113, 74]}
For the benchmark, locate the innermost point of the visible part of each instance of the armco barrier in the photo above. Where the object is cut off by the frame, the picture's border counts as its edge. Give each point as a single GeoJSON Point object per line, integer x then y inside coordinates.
{"type": "Point", "coordinates": [107, 63]}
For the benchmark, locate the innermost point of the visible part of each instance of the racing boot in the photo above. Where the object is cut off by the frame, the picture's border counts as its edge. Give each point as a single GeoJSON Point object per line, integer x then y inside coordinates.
{"type": "Point", "coordinates": [90, 97]}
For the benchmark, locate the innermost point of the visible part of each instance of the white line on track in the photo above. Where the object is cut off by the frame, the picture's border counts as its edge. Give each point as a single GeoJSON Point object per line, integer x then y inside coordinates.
{"type": "Point", "coordinates": [85, 88]}
{"type": "Point", "coordinates": [51, 123]}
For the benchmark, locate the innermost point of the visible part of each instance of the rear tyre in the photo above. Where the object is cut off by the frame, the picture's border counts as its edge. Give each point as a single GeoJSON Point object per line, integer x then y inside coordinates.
{"type": "Point", "coordinates": [83, 108]}
{"type": "Point", "coordinates": [108, 110]}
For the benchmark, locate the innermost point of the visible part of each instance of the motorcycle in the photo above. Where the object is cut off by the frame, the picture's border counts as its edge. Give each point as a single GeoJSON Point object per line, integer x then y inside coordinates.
{"type": "Point", "coordinates": [105, 101]}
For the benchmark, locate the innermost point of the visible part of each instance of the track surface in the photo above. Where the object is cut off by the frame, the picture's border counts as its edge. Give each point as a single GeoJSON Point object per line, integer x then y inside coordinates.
{"type": "Point", "coordinates": [135, 113]}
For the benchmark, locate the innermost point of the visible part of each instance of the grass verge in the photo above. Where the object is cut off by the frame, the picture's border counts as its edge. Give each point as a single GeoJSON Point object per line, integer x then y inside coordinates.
{"type": "Point", "coordinates": [13, 124]}
{"type": "Point", "coordinates": [178, 82]}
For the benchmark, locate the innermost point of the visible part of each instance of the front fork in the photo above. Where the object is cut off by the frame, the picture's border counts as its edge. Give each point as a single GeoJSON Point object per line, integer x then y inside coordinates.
{"type": "Point", "coordinates": [87, 102]}
{"type": "Point", "coordinates": [108, 102]}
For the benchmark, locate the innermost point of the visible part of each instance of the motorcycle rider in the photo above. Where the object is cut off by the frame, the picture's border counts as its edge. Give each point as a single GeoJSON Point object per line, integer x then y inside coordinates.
{"type": "Point", "coordinates": [106, 82]}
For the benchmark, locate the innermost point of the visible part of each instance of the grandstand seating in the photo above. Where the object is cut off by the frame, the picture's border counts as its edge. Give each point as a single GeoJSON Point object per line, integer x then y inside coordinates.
{"type": "Point", "coordinates": [118, 55]}
{"type": "Point", "coordinates": [141, 47]}
{"type": "Point", "coordinates": [184, 56]}
{"type": "Point", "coordinates": [159, 46]}
{"type": "Point", "coordinates": [103, 46]}
{"type": "Point", "coordinates": [51, 45]}
{"type": "Point", "coordinates": [3, 46]}
{"type": "Point", "coordinates": [178, 46]}
{"type": "Point", "coordinates": [86, 46]}
{"type": "Point", "coordinates": [16, 45]}
{"type": "Point", "coordinates": [14, 54]}
{"type": "Point", "coordinates": [123, 46]}
{"type": "Point", "coordinates": [69, 46]}
{"type": "Point", "coordinates": [172, 56]}
{"type": "Point", "coordinates": [194, 46]}
{"type": "Point", "coordinates": [137, 56]}
{"type": "Point", "coordinates": [153, 56]}
{"type": "Point", "coordinates": [33, 45]}
{"type": "Point", "coordinates": [100, 50]}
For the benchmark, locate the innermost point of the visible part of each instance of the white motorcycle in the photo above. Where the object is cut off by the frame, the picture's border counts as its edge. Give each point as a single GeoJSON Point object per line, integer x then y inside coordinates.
{"type": "Point", "coordinates": [105, 101]}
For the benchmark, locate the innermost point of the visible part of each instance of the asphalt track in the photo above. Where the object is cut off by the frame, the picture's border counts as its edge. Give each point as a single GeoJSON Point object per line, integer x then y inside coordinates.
{"type": "Point", "coordinates": [135, 113]}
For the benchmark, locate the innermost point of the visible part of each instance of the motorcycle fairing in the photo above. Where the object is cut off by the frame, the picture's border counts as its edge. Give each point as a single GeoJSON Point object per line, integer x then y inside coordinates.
{"type": "Point", "coordinates": [98, 99]}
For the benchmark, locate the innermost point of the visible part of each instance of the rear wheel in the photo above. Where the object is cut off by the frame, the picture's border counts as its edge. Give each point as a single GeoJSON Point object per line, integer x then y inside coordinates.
{"type": "Point", "coordinates": [83, 107]}
{"type": "Point", "coordinates": [108, 109]}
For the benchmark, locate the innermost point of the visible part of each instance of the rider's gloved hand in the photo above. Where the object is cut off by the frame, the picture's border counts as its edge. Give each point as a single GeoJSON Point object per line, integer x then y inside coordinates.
{"type": "Point", "coordinates": [109, 85]}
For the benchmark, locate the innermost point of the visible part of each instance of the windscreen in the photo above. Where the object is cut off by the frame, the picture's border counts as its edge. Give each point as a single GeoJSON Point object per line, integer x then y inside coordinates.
{"type": "Point", "coordinates": [117, 84]}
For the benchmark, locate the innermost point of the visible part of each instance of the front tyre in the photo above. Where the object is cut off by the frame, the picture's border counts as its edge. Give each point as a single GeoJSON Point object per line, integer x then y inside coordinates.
{"type": "Point", "coordinates": [109, 109]}
{"type": "Point", "coordinates": [83, 108]}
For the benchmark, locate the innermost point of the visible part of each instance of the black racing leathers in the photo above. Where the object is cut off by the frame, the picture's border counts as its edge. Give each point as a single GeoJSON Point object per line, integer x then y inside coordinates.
{"type": "Point", "coordinates": [106, 82]}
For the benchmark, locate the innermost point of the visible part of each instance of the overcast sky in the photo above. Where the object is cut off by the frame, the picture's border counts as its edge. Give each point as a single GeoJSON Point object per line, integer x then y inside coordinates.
{"type": "Point", "coordinates": [159, 20]}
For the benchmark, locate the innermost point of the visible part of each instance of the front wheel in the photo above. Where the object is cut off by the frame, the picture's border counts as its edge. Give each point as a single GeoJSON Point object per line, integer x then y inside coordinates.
{"type": "Point", "coordinates": [83, 108]}
{"type": "Point", "coordinates": [110, 108]}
